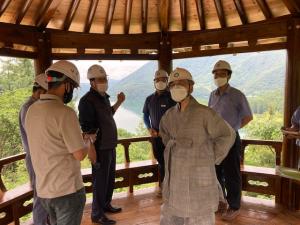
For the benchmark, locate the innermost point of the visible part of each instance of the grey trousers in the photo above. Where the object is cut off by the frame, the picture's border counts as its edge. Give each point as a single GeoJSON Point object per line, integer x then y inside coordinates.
{"type": "Point", "coordinates": [167, 219]}
{"type": "Point", "coordinates": [39, 214]}
{"type": "Point", "coordinates": [66, 210]}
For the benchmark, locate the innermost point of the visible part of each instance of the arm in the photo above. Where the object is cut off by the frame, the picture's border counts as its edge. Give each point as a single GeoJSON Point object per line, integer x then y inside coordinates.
{"type": "Point", "coordinates": [295, 120]}
{"type": "Point", "coordinates": [222, 136]}
{"type": "Point", "coordinates": [120, 99]}
{"type": "Point", "coordinates": [87, 116]}
{"type": "Point", "coordinates": [163, 129]}
{"type": "Point", "coordinates": [246, 120]}
{"type": "Point", "coordinates": [245, 111]}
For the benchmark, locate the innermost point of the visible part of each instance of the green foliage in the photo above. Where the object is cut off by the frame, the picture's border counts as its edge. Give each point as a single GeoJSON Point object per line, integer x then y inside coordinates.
{"type": "Point", "coordinates": [15, 73]}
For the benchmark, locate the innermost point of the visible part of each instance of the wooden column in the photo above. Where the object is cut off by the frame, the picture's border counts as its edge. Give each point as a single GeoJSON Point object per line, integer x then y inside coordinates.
{"type": "Point", "coordinates": [291, 102]}
{"type": "Point", "coordinates": [43, 60]}
{"type": "Point", "coordinates": [165, 54]}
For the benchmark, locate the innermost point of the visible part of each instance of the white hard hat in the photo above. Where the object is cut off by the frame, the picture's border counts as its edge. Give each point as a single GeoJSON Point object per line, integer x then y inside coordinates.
{"type": "Point", "coordinates": [160, 74]}
{"type": "Point", "coordinates": [222, 65]}
{"type": "Point", "coordinates": [41, 80]}
{"type": "Point", "coordinates": [67, 68]}
{"type": "Point", "coordinates": [180, 74]}
{"type": "Point", "coordinates": [96, 71]}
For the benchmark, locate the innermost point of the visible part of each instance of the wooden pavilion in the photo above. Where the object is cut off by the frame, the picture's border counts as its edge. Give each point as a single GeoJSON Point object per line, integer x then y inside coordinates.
{"type": "Point", "coordinates": [162, 30]}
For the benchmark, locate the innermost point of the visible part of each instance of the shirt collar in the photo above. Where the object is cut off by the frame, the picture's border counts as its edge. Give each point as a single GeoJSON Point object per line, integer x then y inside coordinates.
{"type": "Point", "coordinates": [92, 90]}
{"type": "Point", "coordinates": [50, 97]}
{"type": "Point", "coordinates": [227, 90]}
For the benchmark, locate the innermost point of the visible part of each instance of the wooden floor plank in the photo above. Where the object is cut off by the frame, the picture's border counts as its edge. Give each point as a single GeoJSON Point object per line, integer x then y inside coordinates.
{"type": "Point", "coordinates": [143, 208]}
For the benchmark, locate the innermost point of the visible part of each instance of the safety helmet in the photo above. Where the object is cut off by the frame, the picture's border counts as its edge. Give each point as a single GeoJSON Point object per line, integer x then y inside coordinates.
{"type": "Point", "coordinates": [180, 74]}
{"type": "Point", "coordinates": [67, 68]}
{"type": "Point", "coordinates": [222, 65]}
{"type": "Point", "coordinates": [41, 81]}
{"type": "Point", "coordinates": [96, 71]}
{"type": "Point", "coordinates": [160, 74]}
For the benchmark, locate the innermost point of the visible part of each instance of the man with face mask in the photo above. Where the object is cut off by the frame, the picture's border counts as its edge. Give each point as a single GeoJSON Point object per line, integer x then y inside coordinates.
{"type": "Point", "coordinates": [57, 147]}
{"type": "Point", "coordinates": [155, 107]}
{"type": "Point", "coordinates": [196, 139]}
{"type": "Point", "coordinates": [232, 105]}
{"type": "Point", "coordinates": [40, 86]}
{"type": "Point", "coordinates": [96, 113]}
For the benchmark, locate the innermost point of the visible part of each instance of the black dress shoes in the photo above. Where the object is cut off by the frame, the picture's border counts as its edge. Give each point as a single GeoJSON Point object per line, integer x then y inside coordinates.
{"type": "Point", "coordinates": [112, 209]}
{"type": "Point", "coordinates": [104, 221]}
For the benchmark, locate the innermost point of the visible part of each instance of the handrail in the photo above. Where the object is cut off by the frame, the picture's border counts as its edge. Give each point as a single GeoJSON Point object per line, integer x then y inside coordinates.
{"type": "Point", "coordinates": [127, 141]}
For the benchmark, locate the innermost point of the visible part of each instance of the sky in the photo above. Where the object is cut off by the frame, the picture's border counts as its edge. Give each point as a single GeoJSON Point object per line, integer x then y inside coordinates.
{"type": "Point", "coordinates": [116, 69]}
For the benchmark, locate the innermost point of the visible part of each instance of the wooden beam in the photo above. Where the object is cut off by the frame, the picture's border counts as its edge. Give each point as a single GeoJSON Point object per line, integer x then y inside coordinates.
{"type": "Point", "coordinates": [201, 14]}
{"type": "Point", "coordinates": [259, 30]}
{"type": "Point", "coordinates": [22, 11]}
{"type": "Point", "coordinates": [183, 14]}
{"type": "Point", "coordinates": [71, 13]}
{"type": "Point", "coordinates": [265, 8]}
{"type": "Point", "coordinates": [165, 54]}
{"type": "Point", "coordinates": [3, 6]}
{"type": "Point", "coordinates": [234, 50]}
{"type": "Point", "coordinates": [17, 53]}
{"type": "Point", "coordinates": [68, 56]}
{"type": "Point", "coordinates": [144, 15]}
{"type": "Point", "coordinates": [128, 10]}
{"type": "Point", "coordinates": [67, 39]}
{"type": "Point", "coordinates": [220, 13]}
{"type": "Point", "coordinates": [18, 34]}
{"type": "Point", "coordinates": [109, 16]}
{"type": "Point", "coordinates": [90, 16]}
{"type": "Point", "coordinates": [164, 15]}
{"type": "Point", "coordinates": [292, 6]}
{"type": "Point", "coordinates": [241, 11]}
{"type": "Point", "coordinates": [47, 13]}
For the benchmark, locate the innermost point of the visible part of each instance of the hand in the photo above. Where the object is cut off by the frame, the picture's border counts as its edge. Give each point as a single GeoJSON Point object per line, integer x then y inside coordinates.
{"type": "Point", "coordinates": [121, 97]}
{"type": "Point", "coordinates": [152, 132]}
{"type": "Point", "coordinates": [89, 137]}
{"type": "Point", "coordinates": [92, 154]}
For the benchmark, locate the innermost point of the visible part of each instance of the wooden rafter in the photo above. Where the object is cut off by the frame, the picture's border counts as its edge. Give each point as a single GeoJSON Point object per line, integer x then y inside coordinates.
{"type": "Point", "coordinates": [164, 9]}
{"type": "Point", "coordinates": [25, 6]}
{"type": "Point", "coordinates": [144, 15]}
{"type": "Point", "coordinates": [264, 8]}
{"type": "Point", "coordinates": [90, 16]}
{"type": "Point", "coordinates": [183, 13]}
{"type": "Point", "coordinates": [128, 10]}
{"type": "Point", "coordinates": [292, 6]}
{"type": "Point", "coordinates": [47, 13]}
{"type": "Point", "coordinates": [3, 6]}
{"type": "Point", "coordinates": [220, 13]}
{"type": "Point", "coordinates": [201, 15]}
{"type": "Point", "coordinates": [241, 11]}
{"type": "Point", "coordinates": [71, 13]}
{"type": "Point", "coordinates": [109, 16]}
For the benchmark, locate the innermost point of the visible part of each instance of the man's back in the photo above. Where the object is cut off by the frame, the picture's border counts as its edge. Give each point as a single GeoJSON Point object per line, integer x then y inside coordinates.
{"type": "Point", "coordinates": [54, 134]}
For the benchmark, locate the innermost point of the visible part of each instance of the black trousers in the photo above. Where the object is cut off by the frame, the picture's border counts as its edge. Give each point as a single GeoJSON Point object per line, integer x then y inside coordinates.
{"type": "Point", "coordinates": [229, 175]}
{"type": "Point", "coordinates": [103, 173]}
{"type": "Point", "coordinates": [158, 152]}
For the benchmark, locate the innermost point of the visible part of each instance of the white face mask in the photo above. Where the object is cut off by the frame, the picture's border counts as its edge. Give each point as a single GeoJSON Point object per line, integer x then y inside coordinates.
{"type": "Point", "coordinates": [102, 88]}
{"type": "Point", "coordinates": [160, 85]}
{"type": "Point", "coordinates": [178, 93]}
{"type": "Point", "coordinates": [221, 81]}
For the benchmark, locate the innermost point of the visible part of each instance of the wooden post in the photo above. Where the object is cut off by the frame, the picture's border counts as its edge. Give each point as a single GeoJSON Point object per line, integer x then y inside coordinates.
{"type": "Point", "coordinates": [291, 102]}
{"type": "Point", "coordinates": [165, 54]}
{"type": "Point", "coordinates": [43, 60]}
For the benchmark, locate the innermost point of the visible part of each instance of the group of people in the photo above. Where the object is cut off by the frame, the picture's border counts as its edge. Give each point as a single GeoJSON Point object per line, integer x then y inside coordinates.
{"type": "Point", "coordinates": [55, 141]}
{"type": "Point", "coordinates": [197, 147]}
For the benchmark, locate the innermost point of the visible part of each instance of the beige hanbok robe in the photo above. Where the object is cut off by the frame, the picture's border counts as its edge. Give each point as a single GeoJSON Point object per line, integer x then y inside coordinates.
{"type": "Point", "coordinates": [195, 139]}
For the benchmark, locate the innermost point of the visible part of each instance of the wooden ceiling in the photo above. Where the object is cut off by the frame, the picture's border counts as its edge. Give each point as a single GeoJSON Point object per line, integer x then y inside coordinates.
{"type": "Point", "coordinates": [141, 16]}
{"type": "Point", "coordinates": [137, 29]}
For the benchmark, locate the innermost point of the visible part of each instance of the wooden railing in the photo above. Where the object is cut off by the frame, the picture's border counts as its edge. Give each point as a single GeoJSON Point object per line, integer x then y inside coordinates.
{"type": "Point", "coordinates": [13, 202]}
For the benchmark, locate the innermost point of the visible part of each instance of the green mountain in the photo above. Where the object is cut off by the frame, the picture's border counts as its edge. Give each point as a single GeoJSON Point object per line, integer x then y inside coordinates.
{"type": "Point", "coordinates": [256, 74]}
